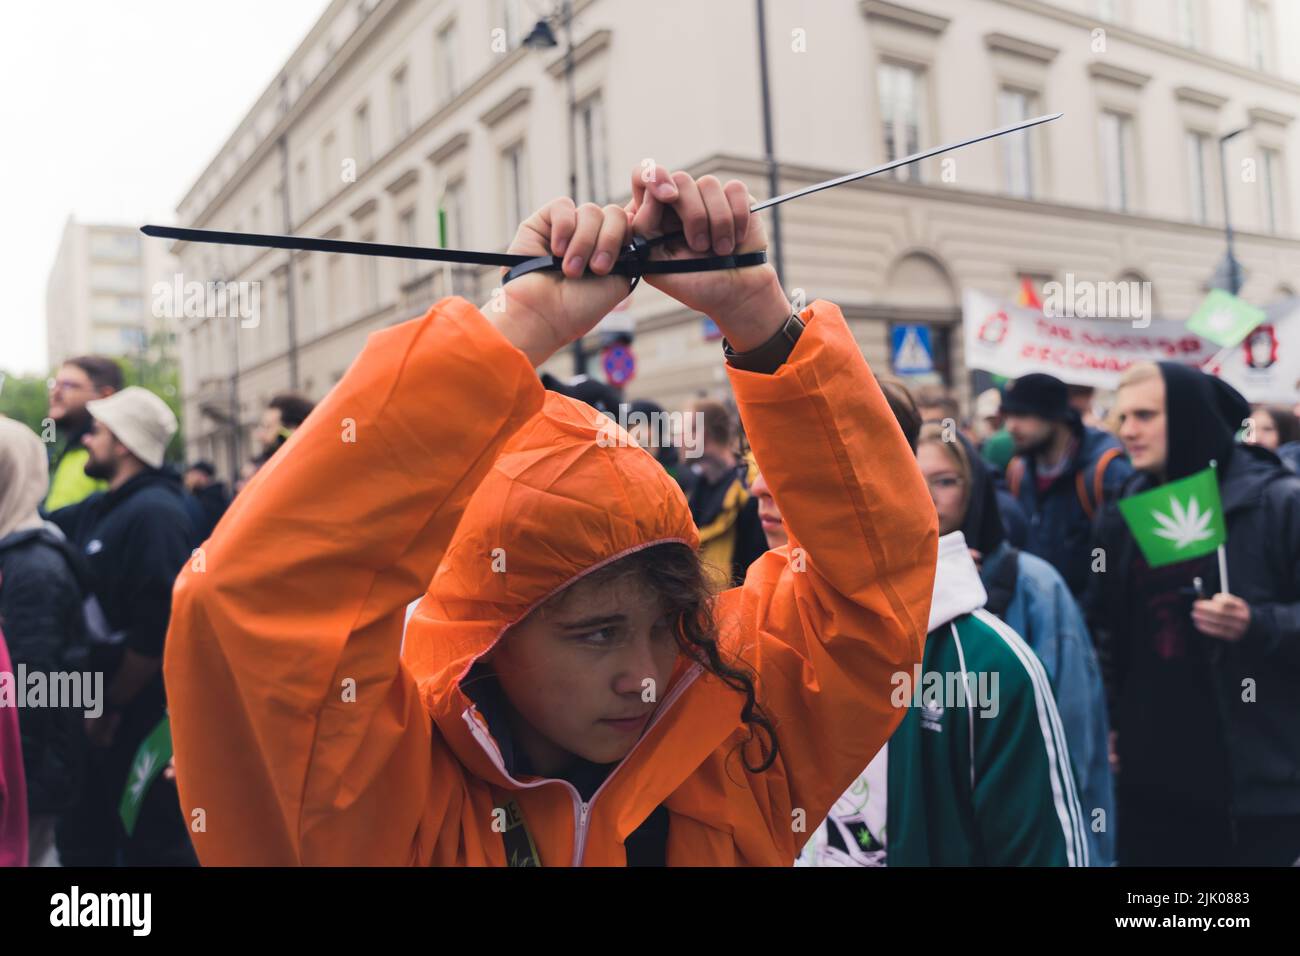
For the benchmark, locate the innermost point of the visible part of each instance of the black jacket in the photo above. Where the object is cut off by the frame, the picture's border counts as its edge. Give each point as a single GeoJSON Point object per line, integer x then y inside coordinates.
{"type": "Point", "coordinates": [1255, 681]}
{"type": "Point", "coordinates": [42, 582]}
{"type": "Point", "coordinates": [205, 507]}
{"type": "Point", "coordinates": [135, 541]}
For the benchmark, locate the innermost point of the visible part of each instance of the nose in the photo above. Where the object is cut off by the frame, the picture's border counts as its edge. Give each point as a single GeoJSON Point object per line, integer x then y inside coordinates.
{"type": "Point", "coordinates": [636, 668]}
{"type": "Point", "coordinates": [759, 487]}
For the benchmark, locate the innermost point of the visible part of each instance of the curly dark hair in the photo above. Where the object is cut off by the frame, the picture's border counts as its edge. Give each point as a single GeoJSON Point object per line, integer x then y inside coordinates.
{"type": "Point", "coordinates": [675, 573]}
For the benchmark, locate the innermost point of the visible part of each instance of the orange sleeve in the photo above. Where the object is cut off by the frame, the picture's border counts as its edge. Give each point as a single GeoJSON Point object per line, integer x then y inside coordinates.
{"type": "Point", "coordinates": [298, 732]}
{"type": "Point", "coordinates": [829, 619]}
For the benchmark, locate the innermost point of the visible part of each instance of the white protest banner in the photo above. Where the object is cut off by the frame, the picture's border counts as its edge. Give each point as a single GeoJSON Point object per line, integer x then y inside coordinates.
{"type": "Point", "coordinates": [1265, 366]}
{"type": "Point", "coordinates": [1006, 339]}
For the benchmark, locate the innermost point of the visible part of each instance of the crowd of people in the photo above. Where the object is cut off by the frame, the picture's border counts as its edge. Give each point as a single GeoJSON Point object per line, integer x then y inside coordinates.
{"type": "Point", "coordinates": [853, 627]}
{"type": "Point", "coordinates": [93, 531]}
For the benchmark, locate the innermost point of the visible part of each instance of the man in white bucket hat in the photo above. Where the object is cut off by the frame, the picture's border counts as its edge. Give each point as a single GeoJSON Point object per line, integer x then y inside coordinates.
{"type": "Point", "coordinates": [135, 537]}
{"type": "Point", "coordinates": [129, 434]}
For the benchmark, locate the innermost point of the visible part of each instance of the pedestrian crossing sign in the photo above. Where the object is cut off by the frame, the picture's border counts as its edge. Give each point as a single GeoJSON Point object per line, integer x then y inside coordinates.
{"type": "Point", "coordinates": [912, 354]}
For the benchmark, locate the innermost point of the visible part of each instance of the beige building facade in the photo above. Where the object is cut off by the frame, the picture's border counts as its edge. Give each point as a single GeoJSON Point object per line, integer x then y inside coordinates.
{"type": "Point", "coordinates": [99, 294]}
{"type": "Point", "coordinates": [401, 121]}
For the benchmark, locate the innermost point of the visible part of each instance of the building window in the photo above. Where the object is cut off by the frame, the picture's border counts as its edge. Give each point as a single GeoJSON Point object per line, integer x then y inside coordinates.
{"type": "Point", "coordinates": [369, 276]}
{"type": "Point", "coordinates": [328, 176]}
{"type": "Point", "coordinates": [451, 226]}
{"type": "Point", "coordinates": [513, 19]}
{"type": "Point", "coordinates": [1107, 10]}
{"type": "Point", "coordinates": [303, 191]}
{"type": "Point", "coordinates": [1118, 160]}
{"type": "Point", "coordinates": [1270, 174]}
{"type": "Point", "coordinates": [401, 104]}
{"type": "Point", "coordinates": [515, 173]}
{"type": "Point", "coordinates": [1198, 175]}
{"type": "Point", "coordinates": [1257, 28]}
{"type": "Point", "coordinates": [1017, 148]}
{"type": "Point", "coordinates": [338, 291]}
{"type": "Point", "coordinates": [406, 232]}
{"type": "Point", "coordinates": [361, 135]}
{"type": "Point", "coordinates": [308, 311]}
{"type": "Point", "coordinates": [1187, 23]}
{"type": "Point", "coordinates": [900, 112]}
{"type": "Point", "coordinates": [448, 83]}
{"type": "Point", "coordinates": [593, 166]}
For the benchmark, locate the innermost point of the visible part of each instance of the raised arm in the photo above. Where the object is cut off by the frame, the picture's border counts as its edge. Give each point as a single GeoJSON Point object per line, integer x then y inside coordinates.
{"type": "Point", "coordinates": [836, 614]}
{"type": "Point", "coordinates": [299, 734]}
{"type": "Point", "coordinates": [295, 726]}
{"type": "Point", "coordinates": [827, 622]}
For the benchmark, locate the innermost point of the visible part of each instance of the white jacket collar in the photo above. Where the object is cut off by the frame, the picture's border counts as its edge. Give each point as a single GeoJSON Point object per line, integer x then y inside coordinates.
{"type": "Point", "coordinates": [957, 586]}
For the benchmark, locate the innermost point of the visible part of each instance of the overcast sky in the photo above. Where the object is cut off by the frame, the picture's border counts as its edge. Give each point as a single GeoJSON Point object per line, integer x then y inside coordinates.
{"type": "Point", "coordinates": [110, 110]}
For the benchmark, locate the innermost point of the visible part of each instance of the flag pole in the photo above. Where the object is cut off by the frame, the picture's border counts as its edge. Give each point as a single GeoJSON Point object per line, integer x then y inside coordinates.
{"type": "Point", "coordinates": [1223, 554]}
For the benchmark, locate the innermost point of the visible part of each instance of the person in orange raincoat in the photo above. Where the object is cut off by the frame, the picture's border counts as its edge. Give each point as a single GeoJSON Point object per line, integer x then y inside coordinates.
{"type": "Point", "coordinates": [568, 691]}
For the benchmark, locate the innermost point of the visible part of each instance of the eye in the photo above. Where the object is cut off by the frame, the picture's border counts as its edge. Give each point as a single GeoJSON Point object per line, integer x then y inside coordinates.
{"type": "Point", "coordinates": [601, 638]}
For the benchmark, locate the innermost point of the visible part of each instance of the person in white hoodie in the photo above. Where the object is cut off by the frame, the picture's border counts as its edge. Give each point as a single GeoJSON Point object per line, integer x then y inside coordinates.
{"type": "Point", "coordinates": [978, 773]}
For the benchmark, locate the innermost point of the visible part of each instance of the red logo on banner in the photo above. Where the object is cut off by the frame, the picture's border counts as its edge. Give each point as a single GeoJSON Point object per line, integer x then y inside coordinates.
{"type": "Point", "coordinates": [994, 328]}
{"type": "Point", "coordinates": [1261, 347]}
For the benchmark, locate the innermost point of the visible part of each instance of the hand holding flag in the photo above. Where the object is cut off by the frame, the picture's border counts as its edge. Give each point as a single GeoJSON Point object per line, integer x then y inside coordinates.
{"type": "Point", "coordinates": [1224, 616]}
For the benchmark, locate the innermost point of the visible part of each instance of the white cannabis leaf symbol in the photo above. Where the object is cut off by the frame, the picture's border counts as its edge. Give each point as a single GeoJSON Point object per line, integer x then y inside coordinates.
{"type": "Point", "coordinates": [143, 770]}
{"type": "Point", "coordinates": [1220, 320]}
{"type": "Point", "coordinates": [1185, 527]}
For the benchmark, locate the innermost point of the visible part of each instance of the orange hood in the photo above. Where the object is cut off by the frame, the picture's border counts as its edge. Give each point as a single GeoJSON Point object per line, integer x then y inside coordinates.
{"type": "Point", "coordinates": [569, 493]}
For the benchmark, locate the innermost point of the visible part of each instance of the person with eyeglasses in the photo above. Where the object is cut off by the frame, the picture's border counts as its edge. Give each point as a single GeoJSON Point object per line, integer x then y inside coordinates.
{"type": "Point", "coordinates": [1032, 598]}
{"type": "Point", "coordinates": [78, 381]}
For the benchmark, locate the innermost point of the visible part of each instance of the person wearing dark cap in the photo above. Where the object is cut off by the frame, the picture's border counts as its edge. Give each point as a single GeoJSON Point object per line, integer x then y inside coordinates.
{"type": "Point", "coordinates": [1063, 472]}
{"type": "Point", "coordinates": [207, 500]}
{"type": "Point", "coordinates": [1204, 692]}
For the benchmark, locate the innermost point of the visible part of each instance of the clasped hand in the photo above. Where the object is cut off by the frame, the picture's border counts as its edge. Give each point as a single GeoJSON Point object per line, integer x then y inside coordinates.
{"type": "Point", "coordinates": [542, 312]}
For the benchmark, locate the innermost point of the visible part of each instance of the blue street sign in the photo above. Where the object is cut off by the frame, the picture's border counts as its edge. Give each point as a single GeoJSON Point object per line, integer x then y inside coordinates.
{"type": "Point", "coordinates": [912, 353]}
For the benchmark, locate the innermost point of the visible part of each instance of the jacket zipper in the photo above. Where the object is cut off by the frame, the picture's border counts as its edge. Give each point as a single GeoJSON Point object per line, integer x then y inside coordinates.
{"type": "Point", "coordinates": [584, 809]}
{"type": "Point", "coordinates": [581, 808]}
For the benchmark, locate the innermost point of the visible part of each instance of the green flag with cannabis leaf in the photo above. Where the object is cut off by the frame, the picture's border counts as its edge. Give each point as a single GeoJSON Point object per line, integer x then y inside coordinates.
{"type": "Point", "coordinates": [150, 759]}
{"type": "Point", "coordinates": [1177, 521]}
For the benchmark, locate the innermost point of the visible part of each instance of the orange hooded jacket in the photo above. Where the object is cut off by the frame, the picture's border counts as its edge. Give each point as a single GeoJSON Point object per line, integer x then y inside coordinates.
{"type": "Point", "coordinates": [309, 729]}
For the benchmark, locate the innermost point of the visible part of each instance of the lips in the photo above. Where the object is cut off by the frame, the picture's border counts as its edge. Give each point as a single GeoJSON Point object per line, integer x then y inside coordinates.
{"type": "Point", "coordinates": [626, 724]}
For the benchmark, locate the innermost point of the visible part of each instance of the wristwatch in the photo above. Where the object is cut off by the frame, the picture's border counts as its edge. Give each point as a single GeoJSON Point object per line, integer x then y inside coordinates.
{"type": "Point", "coordinates": [769, 356]}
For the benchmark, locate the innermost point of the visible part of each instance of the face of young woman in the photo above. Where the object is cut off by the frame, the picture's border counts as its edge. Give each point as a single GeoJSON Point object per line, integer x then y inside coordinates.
{"type": "Point", "coordinates": [585, 674]}
{"type": "Point", "coordinates": [769, 515]}
{"type": "Point", "coordinates": [945, 486]}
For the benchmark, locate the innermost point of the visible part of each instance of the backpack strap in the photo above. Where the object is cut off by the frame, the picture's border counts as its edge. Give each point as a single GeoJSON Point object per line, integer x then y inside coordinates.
{"type": "Point", "coordinates": [1098, 481]}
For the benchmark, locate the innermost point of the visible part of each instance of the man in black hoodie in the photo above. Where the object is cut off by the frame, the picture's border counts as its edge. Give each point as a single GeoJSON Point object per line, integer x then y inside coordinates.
{"type": "Point", "coordinates": [135, 537]}
{"type": "Point", "coordinates": [1203, 686]}
{"type": "Point", "coordinates": [207, 500]}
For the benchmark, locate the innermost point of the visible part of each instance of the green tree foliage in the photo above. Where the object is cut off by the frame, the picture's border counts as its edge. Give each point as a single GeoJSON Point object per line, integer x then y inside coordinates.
{"type": "Point", "coordinates": [24, 398]}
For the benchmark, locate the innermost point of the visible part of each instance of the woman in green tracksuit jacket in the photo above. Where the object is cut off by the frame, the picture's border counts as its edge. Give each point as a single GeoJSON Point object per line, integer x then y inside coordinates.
{"type": "Point", "coordinates": [978, 773]}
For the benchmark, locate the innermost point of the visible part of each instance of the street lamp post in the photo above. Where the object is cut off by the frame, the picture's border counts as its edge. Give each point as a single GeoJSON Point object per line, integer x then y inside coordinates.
{"type": "Point", "coordinates": [773, 180]}
{"type": "Point", "coordinates": [1234, 267]}
{"type": "Point", "coordinates": [542, 37]}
